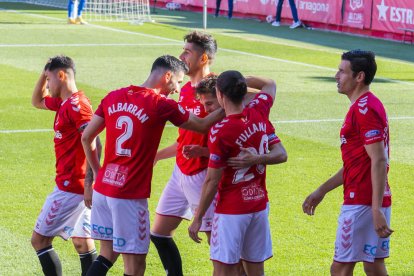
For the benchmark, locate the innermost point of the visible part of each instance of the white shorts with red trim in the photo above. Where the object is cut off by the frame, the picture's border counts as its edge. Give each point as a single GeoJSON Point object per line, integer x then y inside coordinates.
{"type": "Point", "coordinates": [125, 222]}
{"type": "Point", "coordinates": [356, 239]}
{"type": "Point", "coordinates": [64, 214]}
{"type": "Point", "coordinates": [245, 237]}
{"type": "Point", "coordinates": [181, 197]}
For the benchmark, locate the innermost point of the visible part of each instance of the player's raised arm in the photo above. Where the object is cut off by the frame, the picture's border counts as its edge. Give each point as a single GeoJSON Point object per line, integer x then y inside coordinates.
{"type": "Point", "coordinates": [203, 125]}
{"type": "Point", "coordinates": [264, 85]}
{"type": "Point", "coordinates": [313, 200]}
{"type": "Point", "coordinates": [40, 92]}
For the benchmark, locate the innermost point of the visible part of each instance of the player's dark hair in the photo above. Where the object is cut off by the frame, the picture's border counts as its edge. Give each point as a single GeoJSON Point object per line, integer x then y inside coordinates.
{"type": "Point", "coordinates": [204, 41]}
{"type": "Point", "coordinates": [60, 62]}
{"type": "Point", "coordinates": [170, 63]}
{"type": "Point", "coordinates": [233, 85]}
{"type": "Point", "coordinates": [207, 85]}
{"type": "Point", "coordinates": [362, 61]}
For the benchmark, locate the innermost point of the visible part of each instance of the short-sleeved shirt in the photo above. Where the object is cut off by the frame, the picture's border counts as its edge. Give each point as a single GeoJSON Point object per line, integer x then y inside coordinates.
{"type": "Point", "coordinates": [365, 123]}
{"type": "Point", "coordinates": [189, 101]}
{"type": "Point", "coordinates": [134, 119]}
{"type": "Point", "coordinates": [241, 191]}
{"type": "Point", "coordinates": [72, 115]}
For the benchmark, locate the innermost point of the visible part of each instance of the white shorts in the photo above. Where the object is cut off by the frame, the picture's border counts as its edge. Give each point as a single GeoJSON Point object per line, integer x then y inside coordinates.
{"type": "Point", "coordinates": [245, 237]}
{"type": "Point", "coordinates": [64, 214]}
{"type": "Point", "coordinates": [125, 222]}
{"type": "Point", "coordinates": [181, 197]}
{"type": "Point", "coordinates": [356, 239]}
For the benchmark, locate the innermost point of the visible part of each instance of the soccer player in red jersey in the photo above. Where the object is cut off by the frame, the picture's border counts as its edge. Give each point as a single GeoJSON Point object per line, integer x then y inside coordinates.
{"type": "Point", "coordinates": [134, 118]}
{"type": "Point", "coordinates": [64, 213]}
{"type": "Point", "coordinates": [181, 194]}
{"type": "Point", "coordinates": [363, 225]}
{"type": "Point", "coordinates": [240, 222]}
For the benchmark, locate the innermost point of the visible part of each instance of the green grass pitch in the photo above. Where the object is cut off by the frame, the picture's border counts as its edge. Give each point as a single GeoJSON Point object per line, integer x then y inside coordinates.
{"type": "Point", "coordinates": [307, 114]}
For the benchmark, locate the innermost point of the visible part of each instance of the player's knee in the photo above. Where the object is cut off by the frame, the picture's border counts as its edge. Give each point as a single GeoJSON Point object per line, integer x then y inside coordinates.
{"type": "Point", "coordinates": [375, 269]}
{"type": "Point", "coordinates": [335, 269]}
{"type": "Point", "coordinates": [80, 245]}
{"type": "Point", "coordinates": [39, 242]}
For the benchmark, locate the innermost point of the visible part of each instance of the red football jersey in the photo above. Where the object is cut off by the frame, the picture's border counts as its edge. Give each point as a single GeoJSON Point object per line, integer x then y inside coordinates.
{"type": "Point", "coordinates": [191, 166]}
{"type": "Point", "coordinates": [241, 191]}
{"type": "Point", "coordinates": [134, 119]}
{"type": "Point", "coordinates": [365, 123]}
{"type": "Point", "coordinates": [71, 116]}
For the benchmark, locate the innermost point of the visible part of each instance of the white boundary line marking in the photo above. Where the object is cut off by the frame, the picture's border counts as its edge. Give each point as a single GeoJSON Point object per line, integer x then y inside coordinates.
{"type": "Point", "coordinates": [11, 131]}
{"type": "Point", "coordinates": [87, 45]}
{"type": "Point", "coordinates": [220, 49]}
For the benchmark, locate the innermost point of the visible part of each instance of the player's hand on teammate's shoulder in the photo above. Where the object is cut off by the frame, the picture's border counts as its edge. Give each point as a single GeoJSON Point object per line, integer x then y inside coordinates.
{"type": "Point", "coordinates": [313, 200]}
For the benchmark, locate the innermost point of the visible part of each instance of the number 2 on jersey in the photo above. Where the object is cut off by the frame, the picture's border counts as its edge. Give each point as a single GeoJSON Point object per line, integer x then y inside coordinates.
{"type": "Point", "coordinates": [241, 175]}
{"type": "Point", "coordinates": [124, 121]}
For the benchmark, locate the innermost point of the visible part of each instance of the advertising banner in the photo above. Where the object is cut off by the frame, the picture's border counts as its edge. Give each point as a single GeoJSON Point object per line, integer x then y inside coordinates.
{"type": "Point", "coordinates": [357, 13]}
{"type": "Point", "coordinates": [391, 15]}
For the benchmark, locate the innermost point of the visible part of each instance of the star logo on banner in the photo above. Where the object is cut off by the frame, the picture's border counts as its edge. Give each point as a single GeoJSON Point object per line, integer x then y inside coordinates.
{"type": "Point", "coordinates": [382, 9]}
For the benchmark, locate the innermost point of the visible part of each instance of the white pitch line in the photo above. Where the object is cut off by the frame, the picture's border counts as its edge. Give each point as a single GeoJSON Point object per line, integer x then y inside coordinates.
{"type": "Point", "coordinates": [11, 131]}
{"type": "Point", "coordinates": [220, 49]}
{"type": "Point", "coordinates": [87, 45]}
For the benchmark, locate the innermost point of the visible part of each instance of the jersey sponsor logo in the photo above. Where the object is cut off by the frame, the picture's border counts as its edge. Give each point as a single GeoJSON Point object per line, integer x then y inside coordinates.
{"type": "Point", "coordinates": [68, 230]}
{"type": "Point", "coordinates": [385, 246]}
{"type": "Point", "coordinates": [370, 250]}
{"type": "Point", "coordinates": [102, 231]}
{"type": "Point", "coordinates": [372, 133]}
{"type": "Point", "coordinates": [196, 110]}
{"type": "Point", "coordinates": [58, 135]}
{"type": "Point", "coordinates": [115, 175]}
{"type": "Point", "coordinates": [214, 157]}
{"type": "Point", "coordinates": [130, 108]}
{"type": "Point", "coordinates": [252, 192]}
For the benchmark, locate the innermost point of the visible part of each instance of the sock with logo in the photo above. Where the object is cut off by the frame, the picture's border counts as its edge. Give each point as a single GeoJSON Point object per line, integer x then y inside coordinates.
{"type": "Point", "coordinates": [169, 255]}
{"type": "Point", "coordinates": [87, 259]}
{"type": "Point", "coordinates": [50, 261]}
